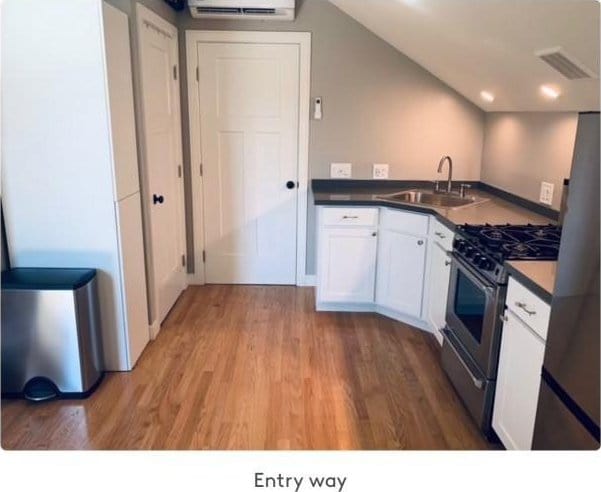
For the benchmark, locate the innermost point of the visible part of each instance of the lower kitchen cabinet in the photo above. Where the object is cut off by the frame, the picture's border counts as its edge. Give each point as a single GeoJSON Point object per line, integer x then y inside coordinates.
{"type": "Point", "coordinates": [519, 376]}
{"type": "Point", "coordinates": [439, 271]}
{"type": "Point", "coordinates": [372, 259]}
{"type": "Point", "coordinates": [401, 270]}
{"type": "Point", "coordinates": [346, 257]}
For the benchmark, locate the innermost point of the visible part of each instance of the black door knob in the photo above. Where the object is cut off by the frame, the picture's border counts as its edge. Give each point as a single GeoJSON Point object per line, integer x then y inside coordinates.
{"type": "Point", "coordinates": [290, 185]}
{"type": "Point", "coordinates": [157, 199]}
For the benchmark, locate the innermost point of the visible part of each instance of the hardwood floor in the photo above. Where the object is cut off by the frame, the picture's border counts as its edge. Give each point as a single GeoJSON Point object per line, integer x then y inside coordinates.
{"type": "Point", "coordinates": [253, 367]}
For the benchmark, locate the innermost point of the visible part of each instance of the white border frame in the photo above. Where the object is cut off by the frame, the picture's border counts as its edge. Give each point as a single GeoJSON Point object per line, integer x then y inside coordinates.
{"type": "Point", "coordinates": [145, 15]}
{"type": "Point", "coordinates": [303, 40]}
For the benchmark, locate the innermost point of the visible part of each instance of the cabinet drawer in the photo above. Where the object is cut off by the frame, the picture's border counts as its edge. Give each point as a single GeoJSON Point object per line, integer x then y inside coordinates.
{"type": "Point", "coordinates": [441, 235]}
{"type": "Point", "coordinates": [401, 221]}
{"type": "Point", "coordinates": [528, 307]}
{"type": "Point", "coordinates": [349, 216]}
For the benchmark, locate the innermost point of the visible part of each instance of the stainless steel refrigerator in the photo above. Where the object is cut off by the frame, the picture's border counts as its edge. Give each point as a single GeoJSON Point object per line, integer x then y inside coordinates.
{"type": "Point", "coordinates": [567, 416]}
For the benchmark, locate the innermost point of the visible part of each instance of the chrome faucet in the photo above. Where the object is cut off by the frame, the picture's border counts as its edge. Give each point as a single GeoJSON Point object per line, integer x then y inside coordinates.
{"type": "Point", "coordinates": [450, 178]}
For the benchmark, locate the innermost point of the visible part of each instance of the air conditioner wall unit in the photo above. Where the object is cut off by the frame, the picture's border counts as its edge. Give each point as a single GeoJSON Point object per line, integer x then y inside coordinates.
{"type": "Point", "coordinates": [243, 9]}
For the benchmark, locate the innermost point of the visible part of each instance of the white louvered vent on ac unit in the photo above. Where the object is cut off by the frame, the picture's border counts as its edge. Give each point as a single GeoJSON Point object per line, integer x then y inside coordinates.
{"type": "Point", "coordinates": [565, 64]}
{"type": "Point", "coordinates": [243, 9]}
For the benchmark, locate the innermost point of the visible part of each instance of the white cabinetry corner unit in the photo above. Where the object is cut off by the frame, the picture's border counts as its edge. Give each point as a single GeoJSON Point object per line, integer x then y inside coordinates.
{"type": "Point", "coordinates": [69, 163]}
{"type": "Point", "coordinates": [372, 259]}
{"type": "Point", "coordinates": [523, 340]}
{"type": "Point", "coordinates": [401, 263]}
{"type": "Point", "coordinates": [439, 272]}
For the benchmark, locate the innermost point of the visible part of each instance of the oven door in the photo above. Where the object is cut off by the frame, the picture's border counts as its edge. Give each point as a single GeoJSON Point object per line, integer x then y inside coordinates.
{"type": "Point", "coordinates": [473, 309]}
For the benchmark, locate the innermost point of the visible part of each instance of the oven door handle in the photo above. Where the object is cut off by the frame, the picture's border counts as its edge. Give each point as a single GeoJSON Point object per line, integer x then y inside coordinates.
{"type": "Point", "coordinates": [470, 273]}
{"type": "Point", "coordinates": [446, 334]}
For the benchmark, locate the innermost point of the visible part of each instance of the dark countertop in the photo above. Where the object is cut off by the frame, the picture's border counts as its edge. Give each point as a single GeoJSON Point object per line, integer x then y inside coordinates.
{"type": "Point", "coordinates": [495, 210]}
{"type": "Point", "coordinates": [537, 276]}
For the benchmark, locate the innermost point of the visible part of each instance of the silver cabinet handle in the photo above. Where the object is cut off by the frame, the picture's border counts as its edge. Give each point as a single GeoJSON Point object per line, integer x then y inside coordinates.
{"type": "Point", "coordinates": [440, 235]}
{"type": "Point", "coordinates": [524, 307]}
{"type": "Point", "coordinates": [447, 263]}
{"type": "Point", "coordinates": [374, 234]}
{"type": "Point", "coordinates": [350, 216]}
{"type": "Point", "coordinates": [420, 242]}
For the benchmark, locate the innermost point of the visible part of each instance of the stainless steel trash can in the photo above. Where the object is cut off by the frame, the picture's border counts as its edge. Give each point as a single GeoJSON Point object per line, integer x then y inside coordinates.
{"type": "Point", "coordinates": [51, 343]}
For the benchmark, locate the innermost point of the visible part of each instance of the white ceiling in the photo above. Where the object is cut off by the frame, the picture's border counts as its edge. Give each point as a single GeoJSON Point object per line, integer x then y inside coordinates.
{"type": "Point", "coordinates": [476, 45]}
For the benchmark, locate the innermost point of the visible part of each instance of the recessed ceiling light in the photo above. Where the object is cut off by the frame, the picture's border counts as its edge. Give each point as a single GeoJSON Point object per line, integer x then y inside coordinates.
{"type": "Point", "coordinates": [549, 92]}
{"type": "Point", "coordinates": [487, 96]}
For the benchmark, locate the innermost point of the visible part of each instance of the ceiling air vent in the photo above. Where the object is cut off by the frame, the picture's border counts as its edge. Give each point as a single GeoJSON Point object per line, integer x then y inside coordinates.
{"type": "Point", "coordinates": [566, 65]}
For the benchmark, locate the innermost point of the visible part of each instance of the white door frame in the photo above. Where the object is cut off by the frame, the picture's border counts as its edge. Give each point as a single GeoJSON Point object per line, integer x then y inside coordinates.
{"type": "Point", "coordinates": [303, 40]}
{"type": "Point", "coordinates": [146, 18]}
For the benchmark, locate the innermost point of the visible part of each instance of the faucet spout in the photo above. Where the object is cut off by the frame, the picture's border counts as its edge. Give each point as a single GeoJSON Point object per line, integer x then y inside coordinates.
{"type": "Point", "coordinates": [450, 177]}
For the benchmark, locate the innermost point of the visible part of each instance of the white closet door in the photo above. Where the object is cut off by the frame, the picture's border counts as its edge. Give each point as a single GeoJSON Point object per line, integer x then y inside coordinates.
{"type": "Point", "coordinates": [249, 107]}
{"type": "Point", "coordinates": [162, 148]}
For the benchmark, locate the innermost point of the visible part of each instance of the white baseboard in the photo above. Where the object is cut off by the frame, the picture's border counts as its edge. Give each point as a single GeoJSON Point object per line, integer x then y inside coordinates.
{"type": "Point", "coordinates": [403, 318]}
{"type": "Point", "coordinates": [307, 281]}
{"type": "Point", "coordinates": [346, 307]}
{"type": "Point", "coordinates": [195, 279]}
{"type": "Point", "coordinates": [154, 329]}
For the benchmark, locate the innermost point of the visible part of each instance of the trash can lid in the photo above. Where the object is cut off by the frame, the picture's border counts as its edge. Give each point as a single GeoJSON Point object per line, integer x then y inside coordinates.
{"type": "Point", "coordinates": [46, 278]}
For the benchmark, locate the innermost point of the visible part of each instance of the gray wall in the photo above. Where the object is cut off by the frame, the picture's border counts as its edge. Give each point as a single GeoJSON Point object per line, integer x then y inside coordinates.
{"type": "Point", "coordinates": [379, 106]}
{"type": "Point", "coordinates": [159, 7]}
{"type": "Point", "coordinates": [523, 149]}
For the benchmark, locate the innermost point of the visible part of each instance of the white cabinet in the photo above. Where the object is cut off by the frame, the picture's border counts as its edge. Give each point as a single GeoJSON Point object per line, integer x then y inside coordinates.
{"type": "Point", "coordinates": [401, 271]}
{"type": "Point", "coordinates": [519, 376]}
{"type": "Point", "coordinates": [368, 264]}
{"type": "Point", "coordinates": [439, 271]}
{"type": "Point", "coordinates": [346, 262]}
{"type": "Point", "coordinates": [69, 163]}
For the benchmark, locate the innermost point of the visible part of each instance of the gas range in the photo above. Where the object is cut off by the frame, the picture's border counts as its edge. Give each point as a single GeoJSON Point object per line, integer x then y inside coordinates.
{"type": "Point", "coordinates": [486, 247]}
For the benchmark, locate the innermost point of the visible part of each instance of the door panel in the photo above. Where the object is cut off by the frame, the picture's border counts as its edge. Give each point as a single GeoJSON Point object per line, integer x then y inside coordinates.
{"type": "Point", "coordinates": [164, 194]}
{"type": "Point", "coordinates": [518, 383]}
{"type": "Point", "coordinates": [346, 264]}
{"type": "Point", "coordinates": [440, 272]}
{"type": "Point", "coordinates": [249, 127]}
{"type": "Point", "coordinates": [401, 267]}
{"type": "Point", "coordinates": [134, 276]}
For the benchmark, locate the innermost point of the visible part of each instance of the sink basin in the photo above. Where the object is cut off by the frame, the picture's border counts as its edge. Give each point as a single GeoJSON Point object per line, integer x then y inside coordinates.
{"type": "Point", "coordinates": [423, 197]}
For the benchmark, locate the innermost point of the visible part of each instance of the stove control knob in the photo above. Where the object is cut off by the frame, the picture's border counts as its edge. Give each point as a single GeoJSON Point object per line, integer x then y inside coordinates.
{"type": "Point", "coordinates": [476, 258]}
{"type": "Point", "coordinates": [460, 245]}
{"type": "Point", "coordinates": [485, 264]}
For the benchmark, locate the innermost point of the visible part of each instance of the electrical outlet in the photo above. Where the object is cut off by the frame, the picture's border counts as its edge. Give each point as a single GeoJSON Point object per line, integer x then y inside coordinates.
{"type": "Point", "coordinates": [546, 193]}
{"type": "Point", "coordinates": [341, 170]}
{"type": "Point", "coordinates": [380, 171]}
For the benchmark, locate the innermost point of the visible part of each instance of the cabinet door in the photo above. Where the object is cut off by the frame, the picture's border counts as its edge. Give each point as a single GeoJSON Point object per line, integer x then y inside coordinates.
{"type": "Point", "coordinates": [401, 270]}
{"type": "Point", "coordinates": [438, 279]}
{"type": "Point", "coordinates": [121, 101]}
{"type": "Point", "coordinates": [346, 264]}
{"type": "Point", "coordinates": [518, 383]}
{"type": "Point", "coordinates": [133, 275]}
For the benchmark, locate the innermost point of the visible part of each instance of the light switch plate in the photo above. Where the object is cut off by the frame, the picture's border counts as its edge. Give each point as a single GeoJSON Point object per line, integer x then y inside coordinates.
{"type": "Point", "coordinates": [380, 171]}
{"type": "Point", "coordinates": [341, 170]}
{"type": "Point", "coordinates": [546, 193]}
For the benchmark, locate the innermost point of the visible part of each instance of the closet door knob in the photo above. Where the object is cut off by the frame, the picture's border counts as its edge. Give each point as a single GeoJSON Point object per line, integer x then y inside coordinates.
{"type": "Point", "coordinates": [157, 199]}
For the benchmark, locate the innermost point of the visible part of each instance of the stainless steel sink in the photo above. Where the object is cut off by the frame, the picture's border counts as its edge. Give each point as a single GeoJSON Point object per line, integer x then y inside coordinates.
{"type": "Point", "coordinates": [429, 198]}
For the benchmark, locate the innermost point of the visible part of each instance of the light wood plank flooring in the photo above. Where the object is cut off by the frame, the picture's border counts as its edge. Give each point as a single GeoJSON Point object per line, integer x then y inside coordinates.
{"type": "Point", "coordinates": [254, 367]}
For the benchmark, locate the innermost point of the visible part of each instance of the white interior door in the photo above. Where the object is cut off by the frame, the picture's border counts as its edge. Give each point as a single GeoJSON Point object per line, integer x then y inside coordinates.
{"type": "Point", "coordinates": [162, 146]}
{"type": "Point", "coordinates": [249, 117]}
